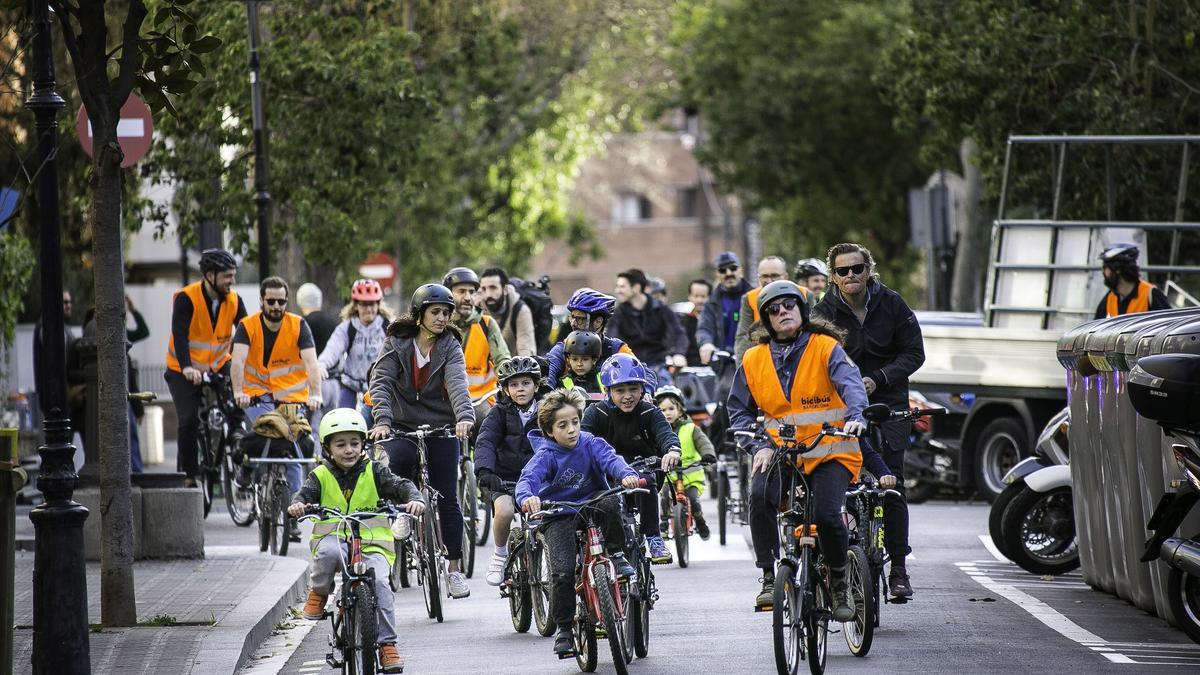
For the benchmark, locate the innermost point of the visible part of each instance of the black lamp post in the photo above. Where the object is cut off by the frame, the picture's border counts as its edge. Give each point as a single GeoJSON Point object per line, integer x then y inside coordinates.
{"type": "Point", "coordinates": [60, 619]}
{"type": "Point", "coordinates": [262, 198]}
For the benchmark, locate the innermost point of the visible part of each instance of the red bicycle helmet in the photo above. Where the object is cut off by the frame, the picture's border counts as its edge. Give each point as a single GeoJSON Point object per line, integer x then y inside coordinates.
{"type": "Point", "coordinates": [366, 290]}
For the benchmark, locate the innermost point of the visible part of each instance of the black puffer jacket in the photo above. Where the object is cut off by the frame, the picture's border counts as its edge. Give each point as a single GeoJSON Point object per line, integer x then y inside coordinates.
{"type": "Point", "coordinates": [503, 444]}
{"type": "Point", "coordinates": [641, 433]}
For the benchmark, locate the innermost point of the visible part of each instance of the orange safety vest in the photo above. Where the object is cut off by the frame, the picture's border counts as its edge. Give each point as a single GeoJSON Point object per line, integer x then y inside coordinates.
{"type": "Point", "coordinates": [814, 400]}
{"type": "Point", "coordinates": [752, 296]}
{"type": "Point", "coordinates": [285, 376]}
{"type": "Point", "coordinates": [208, 345]}
{"type": "Point", "coordinates": [481, 375]}
{"type": "Point", "coordinates": [1139, 303]}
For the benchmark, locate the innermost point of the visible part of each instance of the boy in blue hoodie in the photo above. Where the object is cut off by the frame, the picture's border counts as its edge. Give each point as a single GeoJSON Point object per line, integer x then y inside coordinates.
{"type": "Point", "coordinates": [571, 465]}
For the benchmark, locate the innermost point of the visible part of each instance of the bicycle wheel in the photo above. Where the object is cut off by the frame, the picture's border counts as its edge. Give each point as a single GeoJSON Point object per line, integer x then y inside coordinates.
{"type": "Point", "coordinates": [366, 635]}
{"type": "Point", "coordinates": [614, 623]}
{"type": "Point", "coordinates": [722, 503]}
{"type": "Point", "coordinates": [279, 519]}
{"type": "Point", "coordinates": [519, 601]}
{"type": "Point", "coordinates": [861, 630]}
{"type": "Point", "coordinates": [485, 520]}
{"type": "Point", "coordinates": [679, 523]}
{"type": "Point", "coordinates": [585, 643]}
{"type": "Point", "coordinates": [238, 501]}
{"type": "Point", "coordinates": [816, 624]}
{"type": "Point", "coordinates": [264, 520]}
{"type": "Point", "coordinates": [401, 569]}
{"type": "Point", "coordinates": [204, 481]}
{"type": "Point", "coordinates": [786, 622]}
{"type": "Point", "coordinates": [637, 613]}
{"type": "Point", "coordinates": [347, 631]}
{"type": "Point", "coordinates": [539, 587]}
{"type": "Point", "coordinates": [468, 500]}
{"type": "Point", "coordinates": [432, 577]}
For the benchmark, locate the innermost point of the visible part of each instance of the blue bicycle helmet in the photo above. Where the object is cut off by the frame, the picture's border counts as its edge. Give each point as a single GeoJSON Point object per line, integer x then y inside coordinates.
{"type": "Point", "coordinates": [592, 302]}
{"type": "Point", "coordinates": [622, 369]}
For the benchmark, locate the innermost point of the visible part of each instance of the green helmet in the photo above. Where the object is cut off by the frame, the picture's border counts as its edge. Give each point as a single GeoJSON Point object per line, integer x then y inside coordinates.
{"type": "Point", "coordinates": [342, 419]}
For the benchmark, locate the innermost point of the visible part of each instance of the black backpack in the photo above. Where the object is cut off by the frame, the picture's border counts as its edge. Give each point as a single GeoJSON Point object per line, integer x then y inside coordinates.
{"type": "Point", "coordinates": [535, 296]}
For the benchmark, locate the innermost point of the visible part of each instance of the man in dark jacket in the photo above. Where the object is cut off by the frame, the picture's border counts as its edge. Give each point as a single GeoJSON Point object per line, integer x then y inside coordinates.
{"type": "Point", "coordinates": [884, 339]}
{"type": "Point", "coordinates": [698, 292]}
{"type": "Point", "coordinates": [718, 322]}
{"type": "Point", "coordinates": [648, 326]}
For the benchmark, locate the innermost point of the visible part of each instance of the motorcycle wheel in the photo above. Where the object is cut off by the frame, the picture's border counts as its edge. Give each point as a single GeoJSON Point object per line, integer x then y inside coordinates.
{"type": "Point", "coordinates": [919, 491]}
{"type": "Point", "coordinates": [996, 514]}
{"type": "Point", "coordinates": [1183, 597]}
{"type": "Point", "coordinates": [1039, 532]}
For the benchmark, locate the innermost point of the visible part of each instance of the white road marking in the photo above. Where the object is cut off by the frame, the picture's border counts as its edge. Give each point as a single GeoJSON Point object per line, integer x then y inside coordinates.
{"type": "Point", "coordinates": [1040, 610]}
{"type": "Point", "coordinates": [1118, 658]}
{"type": "Point", "coordinates": [991, 547]}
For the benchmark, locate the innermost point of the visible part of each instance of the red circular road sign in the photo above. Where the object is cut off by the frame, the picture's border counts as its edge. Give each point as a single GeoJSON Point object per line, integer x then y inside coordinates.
{"type": "Point", "coordinates": [134, 130]}
{"type": "Point", "coordinates": [380, 267]}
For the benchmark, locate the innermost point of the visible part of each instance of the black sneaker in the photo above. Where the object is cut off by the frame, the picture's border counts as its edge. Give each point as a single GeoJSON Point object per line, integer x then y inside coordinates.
{"type": "Point", "coordinates": [702, 530]}
{"type": "Point", "coordinates": [843, 601]}
{"type": "Point", "coordinates": [899, 584]}
{"type": "Point", "coordinates": [624, 569]}
{"type": "Point", "coordinates": [766, 597]}
{"type": "Point", "coordinates": [244, 478]}
{"type": "Point", "coordinates": [564, 643]}
{"type": "Point", "coordinates": [293, 531]}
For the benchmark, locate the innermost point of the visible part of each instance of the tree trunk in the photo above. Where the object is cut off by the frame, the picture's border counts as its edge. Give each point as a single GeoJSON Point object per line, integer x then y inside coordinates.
{"type": "Point", "coordinates": [965, 287]}
{"type": "Point", "coordinates": [117, 599]}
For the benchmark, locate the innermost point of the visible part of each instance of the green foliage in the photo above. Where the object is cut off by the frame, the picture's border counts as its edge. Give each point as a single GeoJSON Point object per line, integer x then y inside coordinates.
{"type": "Point", "coordinates": [795, 123]}
{"type": "Point", "coordinates": [16, 268]}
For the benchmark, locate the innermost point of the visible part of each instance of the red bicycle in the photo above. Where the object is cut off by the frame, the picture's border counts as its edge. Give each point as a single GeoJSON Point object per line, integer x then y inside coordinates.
{"type": "Point", "coordinates": [600, 608]}
{"type": "Point", "coordinates": [679, 509]}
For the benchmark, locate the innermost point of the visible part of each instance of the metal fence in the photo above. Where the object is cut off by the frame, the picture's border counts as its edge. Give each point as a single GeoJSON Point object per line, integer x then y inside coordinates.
{"type": "Point", "coordinates": [1121, 464]}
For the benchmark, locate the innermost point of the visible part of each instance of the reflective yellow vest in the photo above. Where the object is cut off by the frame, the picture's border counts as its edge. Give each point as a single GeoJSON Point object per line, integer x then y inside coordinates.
{"type": "Point", "coordinates": [376, 536]}
{"type": "Point", "coordinates": [693, 477]}
{"type": "Point", "coordinates": [208, 345]}
{"type": "Point", "coordinates": [481, 375]}
{"type": "Point", "coordinates": [285, 376]}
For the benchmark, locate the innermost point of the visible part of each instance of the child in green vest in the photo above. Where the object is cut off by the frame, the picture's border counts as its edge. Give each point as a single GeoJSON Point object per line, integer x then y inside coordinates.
{"type": "Point", "coordinates": [347, 480]}
{"type": "Point", "coordinates": [695, 447]}
{"type": "Point", "coordinates": [582, 349]}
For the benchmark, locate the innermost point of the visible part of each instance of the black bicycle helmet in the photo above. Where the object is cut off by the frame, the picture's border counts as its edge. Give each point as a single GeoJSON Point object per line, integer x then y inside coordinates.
{"type": "Point", "coordinates": [460, 275]}
{"type": "Point", "coordinates": [583, 343]}
{"type": "Point", "coordinates": [216, 260]}
{"type": "Point", "coordinates": [519, 365]}
{"type": "Point", "coordinates": [431, 294]}
{"type": "Point", "coordinates": [781, 289]}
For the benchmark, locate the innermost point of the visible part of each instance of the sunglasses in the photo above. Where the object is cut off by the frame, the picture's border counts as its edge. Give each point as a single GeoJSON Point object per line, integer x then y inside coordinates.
{"type": "Point", "coordinates": [728, 269]}
{"type": "Point", "coordinates": [787, 304]}
{"type": "Point", "coordinates": [275, 301]}
{"type": "Point", "coordinates": [845, 271]}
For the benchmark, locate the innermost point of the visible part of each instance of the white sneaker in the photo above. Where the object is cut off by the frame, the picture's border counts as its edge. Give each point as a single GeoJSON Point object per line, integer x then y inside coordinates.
{"type": "Point", "coordinates": [495, 571]}
{"type": "Point", "coordinates": [458, 586]}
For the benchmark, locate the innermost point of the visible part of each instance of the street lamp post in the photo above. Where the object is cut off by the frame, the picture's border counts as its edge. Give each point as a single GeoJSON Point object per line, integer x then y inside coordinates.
{"type": "Point", "coordinates": [60, 618]}
{"type": "Point", "coordinates": [262, 198]}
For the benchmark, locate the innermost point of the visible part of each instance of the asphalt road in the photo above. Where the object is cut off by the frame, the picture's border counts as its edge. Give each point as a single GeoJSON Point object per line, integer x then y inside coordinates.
{"type": "Point", "coordinates": [972, 613]}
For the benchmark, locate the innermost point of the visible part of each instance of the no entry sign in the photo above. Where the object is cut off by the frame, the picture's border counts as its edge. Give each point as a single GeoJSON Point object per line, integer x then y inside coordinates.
{"type": "Point", "coordinates": [135, 129]}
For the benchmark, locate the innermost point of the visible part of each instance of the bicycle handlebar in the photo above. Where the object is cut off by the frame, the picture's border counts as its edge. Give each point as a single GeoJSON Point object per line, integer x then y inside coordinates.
{"type": "Point", "coordinates": [880, 413]}
{"type": "Point", "coordinates": [550, 508]}
{"type": "Point", "coordinates": [872, 488]}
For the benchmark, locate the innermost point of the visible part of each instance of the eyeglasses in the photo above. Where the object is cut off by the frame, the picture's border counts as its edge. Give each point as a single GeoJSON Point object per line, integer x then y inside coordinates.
{"type": "Point", "coordinates": [275, 301]}
{"type": "Point", "coordinates": [727, 269]}
{"type": "Point", "coordinates": [785, 305]}
{"type": "Point", "coordinates": [845, 271]}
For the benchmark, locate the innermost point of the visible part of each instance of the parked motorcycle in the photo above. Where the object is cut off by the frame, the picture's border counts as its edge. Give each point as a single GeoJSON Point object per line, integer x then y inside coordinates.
{"type": "Point", "coordinates": [1032, 521]}
{"type": "Point", "coordinates": [1166, 389]}
{"type": "Point", "coordinates": [928, 462]}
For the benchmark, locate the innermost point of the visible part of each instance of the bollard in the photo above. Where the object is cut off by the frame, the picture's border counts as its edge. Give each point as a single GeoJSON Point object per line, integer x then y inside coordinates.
{"type": "Point", "coordinates": [12, 479]}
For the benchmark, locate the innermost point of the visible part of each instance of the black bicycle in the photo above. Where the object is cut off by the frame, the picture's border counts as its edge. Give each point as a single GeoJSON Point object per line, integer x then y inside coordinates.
{"type": "Point", "coordinates": [216, 437]}
{"type": "Point", "coordinates": [272, 495]}
{"type": "Point", "coordinates": [527, 576]}
{"type": "Point", "coordinates": [355, 625]}
{"type": "Point", "coordinates": [640, 594]}
{"type": "Point", "coordinates": [867, 560]}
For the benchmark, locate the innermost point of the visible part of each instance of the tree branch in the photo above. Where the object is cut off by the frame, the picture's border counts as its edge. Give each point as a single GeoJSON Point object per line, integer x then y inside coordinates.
{"type": "Point", "coordinates": [130, 58]}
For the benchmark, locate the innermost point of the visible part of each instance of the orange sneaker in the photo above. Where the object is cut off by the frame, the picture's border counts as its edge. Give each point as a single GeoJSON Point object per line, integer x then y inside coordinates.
{"type": "Point", "coordinates": [314, 606]}
{"type": "Point", "coordinates": [390, 660]}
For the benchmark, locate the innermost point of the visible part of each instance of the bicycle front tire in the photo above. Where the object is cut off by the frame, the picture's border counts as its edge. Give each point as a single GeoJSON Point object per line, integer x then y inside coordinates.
{"type": "Point", "coordinates": [682, 531]}
{"type": "Point", "coordinates": [539, 586]}
{"type": "Point", "coordinates": [432, 581]}
{"type": "Point", "coordinates": [786, 622]}
{"type": "Point", "coordinates": [366, 626]}
{"type": "Point", "coordinates": [860, 631]}
{"type": "Point", "coordinates": [614, 623]}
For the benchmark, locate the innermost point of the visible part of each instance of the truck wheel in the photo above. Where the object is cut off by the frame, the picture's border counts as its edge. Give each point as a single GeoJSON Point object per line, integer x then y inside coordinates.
{"type": "Point", "coordinates": [998, 448]}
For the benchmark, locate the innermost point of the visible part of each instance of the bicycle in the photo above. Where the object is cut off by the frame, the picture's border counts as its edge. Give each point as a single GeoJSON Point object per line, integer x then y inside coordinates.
{"type": "Point", "coordinates": [863, 514]}
{"type": "Point", "coordinates": [527, 576]}
{"type": "Point", "coordinates": [355, 623]}
{"type": "Point", "coordinates": [477, 513]}
{"type": "Point", "coordinates": [681, 520]}
{"type": "Point", "coordinates": [642, 592]}
{"type": "Point", "coordinates": [599, 608]}
{"type": "Point", "coordinates": [425, 553]}
{"type": "Point", "coordinates": [271, 498]}
{"type": "Point", "coordinates": [215, 444]}
{"type": "Point", "coordinates": [802, 605]}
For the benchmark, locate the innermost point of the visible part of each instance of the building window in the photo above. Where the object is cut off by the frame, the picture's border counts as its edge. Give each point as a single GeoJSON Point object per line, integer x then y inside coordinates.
{"type": "Point", "coordinates": [629, 208]}
{"type": "Point", "coordinates": [689, 202]}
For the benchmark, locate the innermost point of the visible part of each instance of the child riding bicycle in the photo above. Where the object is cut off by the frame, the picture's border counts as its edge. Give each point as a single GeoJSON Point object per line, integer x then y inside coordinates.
{"type": "Point", "coordinates": [569, 465]}
{"type": "Point", "coordinates": [583, 349]}
{"type": "Point", "coordinates": [503, 449]}
{"type": "Point", "coordinates": [695, 447]}
{"type": "Point", "coordinates": [347, 480]}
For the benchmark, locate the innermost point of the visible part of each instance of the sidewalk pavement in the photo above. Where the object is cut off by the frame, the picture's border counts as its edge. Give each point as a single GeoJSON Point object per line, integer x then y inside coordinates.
{"type": "Point", "coordinates": [229, 602]}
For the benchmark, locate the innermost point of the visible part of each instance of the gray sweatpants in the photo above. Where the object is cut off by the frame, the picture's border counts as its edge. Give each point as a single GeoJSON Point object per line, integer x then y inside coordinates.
{"type": "Point", "coordinates": [327, 562]}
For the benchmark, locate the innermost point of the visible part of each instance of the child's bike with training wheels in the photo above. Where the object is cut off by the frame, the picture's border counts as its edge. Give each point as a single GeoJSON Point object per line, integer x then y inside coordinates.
{"type": "Point", "coordinates": [681, 521]}
{"type": "Point", "coordinates": [355, 625]}
{"type": "Point", "coordinates": [803, 602]}
{"type": "Point", "coordinates": [527, 576]}
{"type": "Point", "coordinates": [600, 612]}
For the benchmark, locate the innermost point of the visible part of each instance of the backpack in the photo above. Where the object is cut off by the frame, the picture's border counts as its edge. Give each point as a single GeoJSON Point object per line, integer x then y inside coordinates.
{"type": "Point", "coordinates": [535, 296]}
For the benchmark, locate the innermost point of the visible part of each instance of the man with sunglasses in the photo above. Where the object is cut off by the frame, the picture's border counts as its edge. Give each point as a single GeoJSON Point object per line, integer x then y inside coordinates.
{"type": "Point", "coordinates": [799, 375]}
{"type": "Point", "coordinates": [770, 268]}
{"type": "Point", "coordinates": [718, 322]}
{"type": "Point", "coordinates": [884, 339]}
{"type": "Point", "coordinates": [203, 317]}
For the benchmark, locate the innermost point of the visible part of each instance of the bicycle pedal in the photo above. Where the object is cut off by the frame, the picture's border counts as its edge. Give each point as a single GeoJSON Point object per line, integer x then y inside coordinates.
{"type": "Point", "coordinates": [764, 608]}
{"type": "Point", "coordinates": [898, 601]}
{"type": "Point", "coordinates": [566, 655]}
{"type": "Point", "coordinates": [333, 663]}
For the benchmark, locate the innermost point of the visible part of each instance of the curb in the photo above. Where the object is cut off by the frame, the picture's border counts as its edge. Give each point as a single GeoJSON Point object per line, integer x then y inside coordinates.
{"type": "Point", "coordinates": [231, 642]}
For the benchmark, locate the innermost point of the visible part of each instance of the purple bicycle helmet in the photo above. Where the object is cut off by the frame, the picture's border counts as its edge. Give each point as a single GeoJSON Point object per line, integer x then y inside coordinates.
{"type": "Point", "coordinates": [592, 302]}
{"type": "Point", "coordinates": [622, 369]}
